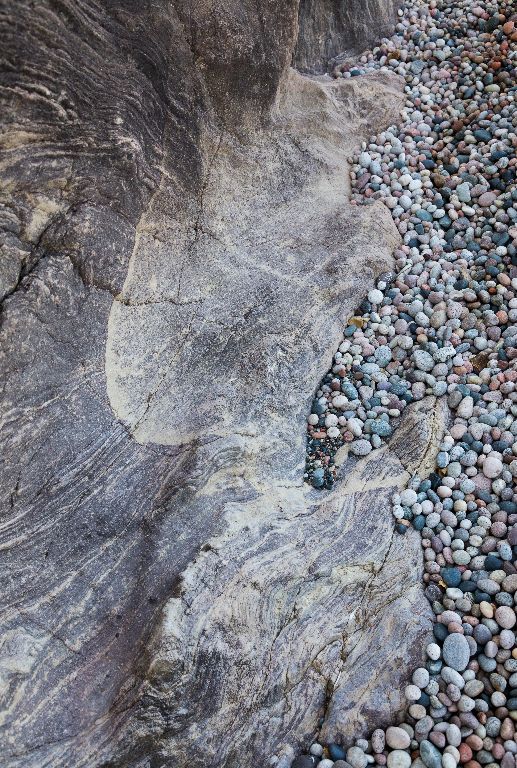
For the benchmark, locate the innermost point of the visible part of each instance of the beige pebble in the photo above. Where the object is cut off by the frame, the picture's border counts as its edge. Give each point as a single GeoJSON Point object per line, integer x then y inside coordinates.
{"type": "Point", "coordinates": [486, 609]}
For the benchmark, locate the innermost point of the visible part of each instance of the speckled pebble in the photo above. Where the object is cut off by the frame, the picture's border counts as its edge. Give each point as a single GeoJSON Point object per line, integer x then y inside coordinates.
{"type": "Point", "coordinates": [443, 324]}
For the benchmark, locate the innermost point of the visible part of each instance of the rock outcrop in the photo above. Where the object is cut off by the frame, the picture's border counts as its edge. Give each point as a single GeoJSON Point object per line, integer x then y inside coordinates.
{"type": "Point", "coordinates": [328, 28]}
{"type": "Point", "coordinates": [179, 258]}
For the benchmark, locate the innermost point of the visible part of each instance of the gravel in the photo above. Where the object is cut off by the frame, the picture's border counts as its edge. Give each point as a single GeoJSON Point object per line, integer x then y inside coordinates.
{"type": "Point", "coordinates": [444, 323]}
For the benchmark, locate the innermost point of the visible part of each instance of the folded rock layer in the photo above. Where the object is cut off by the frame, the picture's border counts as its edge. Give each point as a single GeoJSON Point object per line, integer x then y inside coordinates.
{"type": "Point", "coordinates": [179, 261]}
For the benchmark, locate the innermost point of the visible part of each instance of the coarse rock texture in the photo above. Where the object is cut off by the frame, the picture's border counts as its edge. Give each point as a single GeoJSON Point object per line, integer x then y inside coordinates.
{"type": "Point", "coordinates": [331, 27]}
{"type": "Point", "coordinates": [179, 259]}
{"type": "Point", "coordinates": [340, 586]}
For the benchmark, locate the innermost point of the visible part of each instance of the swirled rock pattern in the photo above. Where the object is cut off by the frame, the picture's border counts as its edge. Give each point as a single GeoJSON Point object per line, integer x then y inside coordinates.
{"type": "Point", "coordinates": [179, 261]}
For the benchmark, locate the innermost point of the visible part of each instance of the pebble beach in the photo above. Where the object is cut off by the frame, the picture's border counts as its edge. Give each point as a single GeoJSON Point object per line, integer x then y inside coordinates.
{"type": "Point", "coordinates": [443, 324]}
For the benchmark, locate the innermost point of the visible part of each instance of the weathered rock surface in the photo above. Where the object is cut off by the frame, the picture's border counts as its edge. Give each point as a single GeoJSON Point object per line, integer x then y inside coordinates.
{"type": "Point", "coordinates": [328, 28]}
{"type": "Point", "coordinates": [322, 608]}
{"type": "Point", "coordinates": [179, 258]}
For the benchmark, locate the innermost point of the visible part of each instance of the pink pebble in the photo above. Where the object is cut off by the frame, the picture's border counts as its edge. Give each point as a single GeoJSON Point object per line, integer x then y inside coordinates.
{"type": "Point", "coordinates": [458, 430]}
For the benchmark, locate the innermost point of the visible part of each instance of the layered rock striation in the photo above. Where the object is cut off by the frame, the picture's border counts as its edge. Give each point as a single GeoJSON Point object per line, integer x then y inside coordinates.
{"type": "Point", "coordinates": [179, 259]}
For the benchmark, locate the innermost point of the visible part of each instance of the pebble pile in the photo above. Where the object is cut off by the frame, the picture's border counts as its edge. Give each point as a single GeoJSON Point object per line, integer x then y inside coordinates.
{"type": "Point", "coordinates": [444, 324]}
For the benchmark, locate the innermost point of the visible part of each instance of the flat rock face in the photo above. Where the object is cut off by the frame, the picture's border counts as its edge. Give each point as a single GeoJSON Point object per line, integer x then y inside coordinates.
{"type": "Point", "coordinates": [328, 28]}
{"type": "Point", "coordinates": [180, 259]}
{"type": "Point", "coordinates": [233, 335]}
